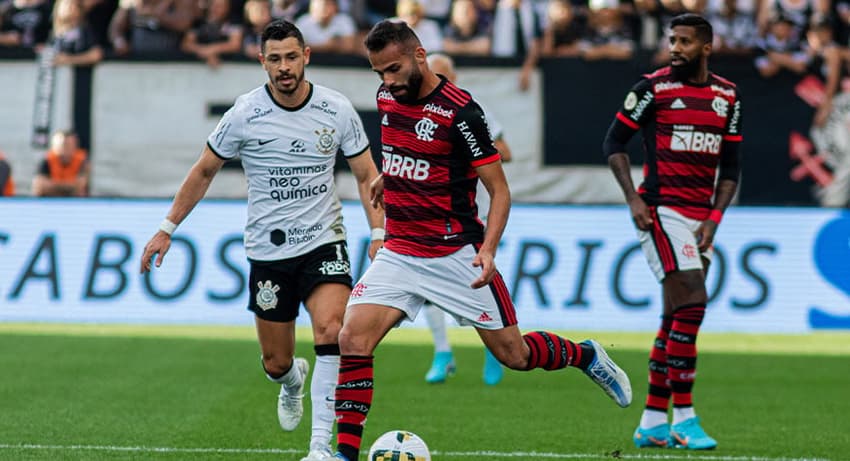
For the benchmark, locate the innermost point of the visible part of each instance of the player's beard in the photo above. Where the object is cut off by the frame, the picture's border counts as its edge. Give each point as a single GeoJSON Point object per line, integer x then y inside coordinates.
{"type": "Point", "coordinates": [292, 87]}
{"type": "Point", "coordinates": [688, 70]}
{"type": "Point", "coordinates": [414, 84]}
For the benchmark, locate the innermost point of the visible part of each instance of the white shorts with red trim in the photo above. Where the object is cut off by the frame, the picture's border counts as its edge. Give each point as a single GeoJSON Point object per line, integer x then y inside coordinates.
{"type": "Point", "coordinates": [407, 282]}
{"type": "Point", "coordinates": [670, 245]}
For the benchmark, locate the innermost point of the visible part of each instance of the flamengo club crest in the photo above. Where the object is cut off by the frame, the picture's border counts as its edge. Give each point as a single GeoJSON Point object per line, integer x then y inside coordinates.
{"type": "Point", "coordinates": [720, 106]}
{"type": "Point", "coordinates": [326, 144]}
{"type": "Point", "coordinates": [425, 129]}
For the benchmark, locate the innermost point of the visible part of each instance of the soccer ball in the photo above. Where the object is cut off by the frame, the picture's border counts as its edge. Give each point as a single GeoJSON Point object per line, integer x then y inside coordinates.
{"type": "Point", "coordinates": [399, 446]}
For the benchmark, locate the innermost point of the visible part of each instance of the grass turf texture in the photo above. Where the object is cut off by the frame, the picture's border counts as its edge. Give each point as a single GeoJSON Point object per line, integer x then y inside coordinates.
{"type": "Point", "coordinates": [91, 392]}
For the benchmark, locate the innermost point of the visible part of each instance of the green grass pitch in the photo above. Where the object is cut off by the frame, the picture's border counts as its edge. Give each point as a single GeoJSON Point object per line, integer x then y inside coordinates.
{"type": "Point", "coordinates": [90, 392]}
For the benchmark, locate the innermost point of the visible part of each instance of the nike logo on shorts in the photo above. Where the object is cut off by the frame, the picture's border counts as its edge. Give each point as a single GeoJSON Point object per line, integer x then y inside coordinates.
{"type": "Point", "coordinates": [263, 143]}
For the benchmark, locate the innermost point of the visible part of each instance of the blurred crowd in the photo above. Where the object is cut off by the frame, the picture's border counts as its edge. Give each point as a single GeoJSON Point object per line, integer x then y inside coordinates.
{"type": "Point", "coordinates": [781, 33]}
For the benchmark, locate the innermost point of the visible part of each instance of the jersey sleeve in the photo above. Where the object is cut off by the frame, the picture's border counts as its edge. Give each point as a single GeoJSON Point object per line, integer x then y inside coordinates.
{"type": "Point", "coordinates": [639, 105]}
{"type": "Point", "coordinates": [733, 126]}
{"type": "Point", "coordinates": [493, 124]}
{"type": "Point", "coordinates": [228, 137]}
{"type": "Point", "coordinates": [471, 138]}
{"type": "Point", "coordinates": [354, 141]}
{"type": "Point", "coordinates": [637, 109]}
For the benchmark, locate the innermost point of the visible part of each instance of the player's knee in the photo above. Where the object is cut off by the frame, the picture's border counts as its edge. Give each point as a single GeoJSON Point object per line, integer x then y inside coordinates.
{"type": "Point", "coordinates": [351, 343]}
{"type": "Point", "coordinates": [327, 332]}
{"type": "Point", "coordinates": [276, 364]}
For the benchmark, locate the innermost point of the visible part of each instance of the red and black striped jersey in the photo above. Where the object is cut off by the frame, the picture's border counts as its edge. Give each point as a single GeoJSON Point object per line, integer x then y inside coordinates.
{"type": "Point", "coordinates": [687, 128]}
{"type": "Point", "coordinates": [430, 151]}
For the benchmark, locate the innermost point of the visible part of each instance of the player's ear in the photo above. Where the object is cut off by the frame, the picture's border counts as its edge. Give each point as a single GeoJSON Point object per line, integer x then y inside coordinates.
{"type": "Point", "coordinates": [420, 55]}
{"type": "Point", "coordinates": [306, 55]}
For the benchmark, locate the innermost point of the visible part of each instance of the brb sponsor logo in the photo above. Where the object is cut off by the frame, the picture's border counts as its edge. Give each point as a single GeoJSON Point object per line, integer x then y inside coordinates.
{"type": "Point", "coordinates": [686, 139]}
{"type": "Point", "coordinates": [405, 167]}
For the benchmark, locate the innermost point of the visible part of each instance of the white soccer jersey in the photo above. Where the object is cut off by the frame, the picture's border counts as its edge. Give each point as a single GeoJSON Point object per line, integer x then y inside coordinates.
{"type": "Point", "coordinates": [288, 156]}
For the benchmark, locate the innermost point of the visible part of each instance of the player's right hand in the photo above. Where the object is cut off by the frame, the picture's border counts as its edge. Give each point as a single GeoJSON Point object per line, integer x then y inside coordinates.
{"type": "Point", "coordinates": [158, 245]}
{"type": "Point", "coordinates": [640, 213]}
{"type": "Point", "coordinates": [376, 192]}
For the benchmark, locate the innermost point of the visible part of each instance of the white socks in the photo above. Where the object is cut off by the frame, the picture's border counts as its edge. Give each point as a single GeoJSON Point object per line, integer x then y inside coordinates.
{"type": "Point", "coordinates": [437, 322]}
{"type": "Point", "coordinates": [323, 388]}
{"type": "Point", "coordinates": [289, 379]}
{"type": "Point", "coordinates": [652, 418]}
{"type": "Point", "coordinates": [682, 414]}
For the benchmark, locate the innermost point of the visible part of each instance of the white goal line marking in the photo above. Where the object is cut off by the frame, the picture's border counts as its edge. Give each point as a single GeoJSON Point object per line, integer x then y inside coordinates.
{"type": "Point", "coordinates": [470, 454]}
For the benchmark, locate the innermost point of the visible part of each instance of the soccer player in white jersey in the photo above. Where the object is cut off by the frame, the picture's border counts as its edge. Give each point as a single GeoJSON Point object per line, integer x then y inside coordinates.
{"type": "Point", "coordinates": [287, 133]}
{"type": "Point", "coordinates": [443, 363]}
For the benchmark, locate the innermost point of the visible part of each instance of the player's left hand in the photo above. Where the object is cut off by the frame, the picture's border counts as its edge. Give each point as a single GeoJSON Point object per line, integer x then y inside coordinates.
{"type": "Point", "coordinates": [487, 263]}
{"type": "Point", "coordinates": [376, 192]}
{"type": "Point", "coordinates": [705, 234]}
{"type": "Point", "coordinates": [374, 247]}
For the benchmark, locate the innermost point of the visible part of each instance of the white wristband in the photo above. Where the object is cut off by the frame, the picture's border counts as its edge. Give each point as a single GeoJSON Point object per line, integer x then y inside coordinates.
{"type": "Point", "coordinates": [378, 233]}
{"type": "Point", "coordinates": [167, 226]}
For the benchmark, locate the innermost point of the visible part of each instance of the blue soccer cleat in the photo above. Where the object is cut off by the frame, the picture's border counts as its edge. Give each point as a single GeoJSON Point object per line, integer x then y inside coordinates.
{"type": "Point", "coordinates": [493, 371]}
{"type": "Point", "coordinates": [611, 378]}
{"type": "Point", "coordinates": [442, 367]}
{"type": "Point", "coordinates": [689, 434]}
{"type": "Point", "coordinates": [654, 437]}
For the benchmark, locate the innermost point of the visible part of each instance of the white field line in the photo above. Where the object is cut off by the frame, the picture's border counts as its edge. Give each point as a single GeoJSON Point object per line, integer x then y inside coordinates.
{"type": "Point", "coordinates": [466, 454]}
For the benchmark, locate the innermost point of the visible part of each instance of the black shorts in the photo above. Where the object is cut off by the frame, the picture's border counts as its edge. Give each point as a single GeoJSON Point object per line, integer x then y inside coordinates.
{"type": "Point", "coordinates": [277, 288]}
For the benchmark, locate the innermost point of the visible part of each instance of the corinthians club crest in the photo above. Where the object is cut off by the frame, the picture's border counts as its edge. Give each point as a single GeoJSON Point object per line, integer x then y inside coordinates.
{"type": "Point", "coordinates": [326, 143]}
{"type": "Point", "coordinates": [267, 296]}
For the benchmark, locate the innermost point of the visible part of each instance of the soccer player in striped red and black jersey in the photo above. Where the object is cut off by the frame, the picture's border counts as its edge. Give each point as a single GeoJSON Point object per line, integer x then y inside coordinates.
{"type": "Point", "coordinates": [691, 123]}
{"type": "Point", "coordinates": [436, 146]}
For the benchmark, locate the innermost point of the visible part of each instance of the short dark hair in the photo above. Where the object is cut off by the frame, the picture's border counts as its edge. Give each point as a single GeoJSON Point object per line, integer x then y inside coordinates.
{"type": "Point", "coordinates": [390, 31]}
{"type": "Point", "coordinates": [280, 29]}
{"type": "Point", "coordinates": [704, 31]}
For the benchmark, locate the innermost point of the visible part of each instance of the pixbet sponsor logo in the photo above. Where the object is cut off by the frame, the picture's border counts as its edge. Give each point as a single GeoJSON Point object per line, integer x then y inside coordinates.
{"type": "Point", "coordinates": [666, 86]}
{"type": "Point", "coordinates": [439, 110]}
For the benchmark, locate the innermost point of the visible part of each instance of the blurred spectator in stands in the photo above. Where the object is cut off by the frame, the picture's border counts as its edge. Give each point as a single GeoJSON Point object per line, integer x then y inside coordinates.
{"type": "Point", "coordinates": [289, 9]}
{"type": "Point", "coordinates": [563, 32]}
{"type": "Point", "coordinates": [214, 36]}
{"type": "Point", "coordinates": [841, 15]}
{"type": "Point", "coordinates": [437, 10]}
{"type": "Point", "coordinates": [151, 26]}
{"type": "Point", "coordinates": [258, 14]}
{"type": "Point", "coordinates": [7, 186]}
{"type": "Point", "coordinates": [607, 36]}
{"type": "Point", "coordinates": [73, 39]}
{"type": "Point", "coordinates": [367, 13]}
{"type": "Point", "coordinates": [780, 49]}
{"type": "Point", "coordinates": [800, 13]}
{"type": "Point", "coordinates": [463, 34]}
{"type": "Point", "coordinates": [825, 61]}
{"type": "Point", "coordinates": [98, 14]}
{"type": "Point", "coordinates": [734, 23]}
{"type": "Point", "coordinates": [326, 29]}
{"type": "Point", "coordinates": [64, 172]}
{"type": "Point", "coordinates": [829, 129]}
{"type": "Point", "coordinates": [24, 23]}
{"type": "Point", "coordinates": [516, 33]}
{"type": "Point", "coordinates": [428, 30]}
{"type": "Point", "coordinates": [486, 10]}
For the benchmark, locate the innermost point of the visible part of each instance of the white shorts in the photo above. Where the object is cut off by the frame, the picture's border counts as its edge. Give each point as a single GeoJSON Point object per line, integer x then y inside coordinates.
{"type": "Point", "coordinates": [407, 282]}
{"type": "Point", "coordinates": [671, 244]}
